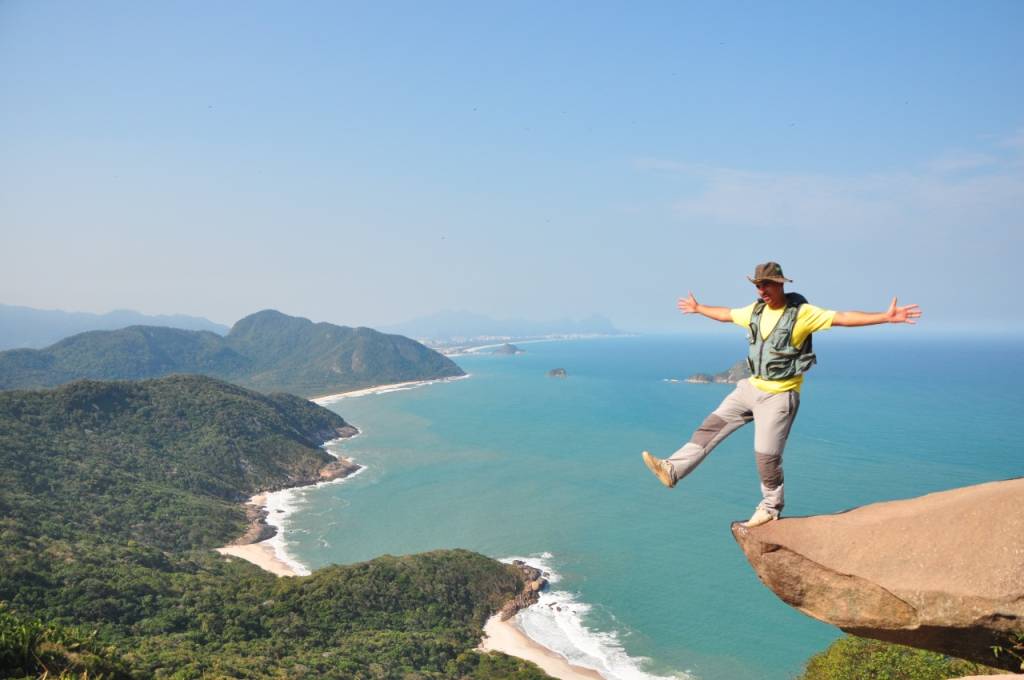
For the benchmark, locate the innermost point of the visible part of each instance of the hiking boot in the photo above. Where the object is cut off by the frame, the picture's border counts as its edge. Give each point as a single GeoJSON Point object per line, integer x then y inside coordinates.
{"type": "Point", "coordinates": [760, 516]}
{"type": "Point", "coordinates": [662, 469]}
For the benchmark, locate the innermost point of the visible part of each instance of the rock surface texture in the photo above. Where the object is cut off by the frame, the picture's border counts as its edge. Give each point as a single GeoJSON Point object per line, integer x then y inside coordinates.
{"type": "Point", "coordinates": [943, 572]}
{"type": "Point", "coordinates": [534, 581]}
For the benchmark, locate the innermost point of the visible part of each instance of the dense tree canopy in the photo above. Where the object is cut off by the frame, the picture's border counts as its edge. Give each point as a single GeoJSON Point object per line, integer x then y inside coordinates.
{"type": "Point", "coordinates": [111, 498]}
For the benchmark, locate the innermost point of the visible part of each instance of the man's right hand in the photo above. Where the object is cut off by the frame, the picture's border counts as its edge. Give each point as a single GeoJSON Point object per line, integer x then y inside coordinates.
{"type": "Point", "coordinates": [689, 305]}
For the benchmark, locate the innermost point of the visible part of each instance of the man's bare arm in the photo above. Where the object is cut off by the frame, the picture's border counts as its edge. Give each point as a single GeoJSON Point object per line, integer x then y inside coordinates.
{"type": "Point", "coordinates": [689, 305]}
{"type": "Point", "coordinates": [895, 314]}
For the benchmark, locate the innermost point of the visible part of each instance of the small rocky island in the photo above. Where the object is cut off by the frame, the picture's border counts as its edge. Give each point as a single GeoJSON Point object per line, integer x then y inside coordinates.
{"type": "Point", "coordinates": [557, 373]}
{"type": "Point", "coordinates": [508, 348]}
{"type": "Point", "coordinates": [737, 372]}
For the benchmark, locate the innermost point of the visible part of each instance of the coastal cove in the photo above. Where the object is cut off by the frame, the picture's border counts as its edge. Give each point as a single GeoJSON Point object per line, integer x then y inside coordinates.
{"type": "Point", "coordinates": [649, 582]}
{"type": "Point", "coordinates": [131, 485]}
{"type": "Point", "coordinates": [268, 512]}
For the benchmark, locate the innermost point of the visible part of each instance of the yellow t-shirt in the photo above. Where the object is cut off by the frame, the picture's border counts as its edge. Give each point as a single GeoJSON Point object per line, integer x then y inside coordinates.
{"type": "Point", "coordinates": [809, 319]}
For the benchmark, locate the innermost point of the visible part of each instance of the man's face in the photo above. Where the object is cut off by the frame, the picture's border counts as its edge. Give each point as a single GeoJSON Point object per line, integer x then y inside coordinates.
{"type": "Point", "coordinates": [771, 292]}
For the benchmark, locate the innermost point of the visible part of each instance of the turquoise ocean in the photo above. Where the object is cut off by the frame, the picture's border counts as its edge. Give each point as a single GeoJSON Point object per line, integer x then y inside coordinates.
{"type": "Point", "coordinates": [648, 581]}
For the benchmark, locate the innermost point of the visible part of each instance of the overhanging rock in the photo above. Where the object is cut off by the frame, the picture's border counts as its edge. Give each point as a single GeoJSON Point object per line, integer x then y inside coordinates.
{"type": "Point", "coordinates": [943, 572]}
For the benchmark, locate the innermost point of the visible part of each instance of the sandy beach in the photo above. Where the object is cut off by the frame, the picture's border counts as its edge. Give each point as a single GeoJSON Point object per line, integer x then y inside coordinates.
{"type": "Point", "coordinates": [262, 555]}
{"type": "Point", "coordinates": [379, 389]}
{"type": "Point", "coordinates": [504, 636]}
{"type": "Point", "coordinates": [499, 636]}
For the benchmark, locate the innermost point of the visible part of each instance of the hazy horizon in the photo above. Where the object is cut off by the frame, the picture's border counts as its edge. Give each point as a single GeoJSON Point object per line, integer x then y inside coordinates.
{"type": "Point", "coordinates": [373, 164]}
{"type": "Point", "coordinates": [685, 329]}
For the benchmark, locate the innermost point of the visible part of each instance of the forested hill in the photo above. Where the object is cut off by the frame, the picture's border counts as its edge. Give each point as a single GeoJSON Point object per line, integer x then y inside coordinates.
{"type": "Point", "coordinates": [131, 353]}
{"type": "Point", "coordinates": [165, 462]}
{"type": "Point", "coordinates": [268, 351]}
{"type": "Point", "coordinates": [296, 355]}
{"type": "Point", "coordinates": [111, 498]}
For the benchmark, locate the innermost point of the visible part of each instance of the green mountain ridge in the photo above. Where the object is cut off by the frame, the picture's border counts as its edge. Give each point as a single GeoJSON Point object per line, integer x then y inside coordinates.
{"type": "Point", "coordinates": [268, 351]}
{"type": "Point", "coordinates": [112, 495]}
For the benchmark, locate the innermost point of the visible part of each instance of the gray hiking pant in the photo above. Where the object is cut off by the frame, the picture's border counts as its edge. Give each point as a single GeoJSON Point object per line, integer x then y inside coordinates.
{"type": "Point", "coordinates": [773, 416]}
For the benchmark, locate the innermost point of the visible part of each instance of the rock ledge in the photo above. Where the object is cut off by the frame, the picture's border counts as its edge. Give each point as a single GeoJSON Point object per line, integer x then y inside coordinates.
{"type": "Point", "coordinates": [943, 572]}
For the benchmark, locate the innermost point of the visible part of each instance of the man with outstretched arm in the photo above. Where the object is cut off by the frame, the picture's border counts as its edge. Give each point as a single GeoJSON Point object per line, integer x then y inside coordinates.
{"type": "Point", "coordinates": [779, 329]}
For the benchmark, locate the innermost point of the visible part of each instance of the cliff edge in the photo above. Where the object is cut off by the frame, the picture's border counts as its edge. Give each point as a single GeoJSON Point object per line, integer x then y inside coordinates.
{"type": "Point", "coordinates": [943, 572]}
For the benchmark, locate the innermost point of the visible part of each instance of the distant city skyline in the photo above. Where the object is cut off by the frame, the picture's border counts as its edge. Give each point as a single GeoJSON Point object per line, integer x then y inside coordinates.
{"type": "Point", "coordinates": [372, 164]}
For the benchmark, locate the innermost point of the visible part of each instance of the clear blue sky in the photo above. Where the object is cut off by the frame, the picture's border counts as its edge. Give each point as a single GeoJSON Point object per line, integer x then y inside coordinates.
{"type": "Point", "coordinates": [366, 163]}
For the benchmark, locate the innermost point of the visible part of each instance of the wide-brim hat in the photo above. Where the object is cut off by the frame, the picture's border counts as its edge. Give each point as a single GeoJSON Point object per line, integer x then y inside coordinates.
{"type": "Point", "coordinates": [769, 271]}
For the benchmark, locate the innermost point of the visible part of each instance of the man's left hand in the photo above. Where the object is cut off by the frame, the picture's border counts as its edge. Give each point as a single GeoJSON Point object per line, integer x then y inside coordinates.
{"type": "Point", "coordinates": [905, 314]}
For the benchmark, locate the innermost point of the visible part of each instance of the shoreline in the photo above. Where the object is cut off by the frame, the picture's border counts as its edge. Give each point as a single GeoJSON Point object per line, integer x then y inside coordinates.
{"type": "Point", "coordinates": [325, 399]}
{"type": "Point", "coordinates": [462, 349]}
{"type": "Point", "coordinates": [261, 553]}
{"type": "Point", "coordinates": [269, 555]}
{"type": "Point", "coordinates": [499, 636]}
{"type": "Point", "coordinates": [268, 551]}
{"type": "Point", "coordinates": [507, 638]}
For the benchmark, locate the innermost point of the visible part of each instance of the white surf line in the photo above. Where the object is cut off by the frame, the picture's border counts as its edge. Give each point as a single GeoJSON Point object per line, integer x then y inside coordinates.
{"type": "Point", "coordinates": [555, 623]}
{"type": "Point", "coordinates": [280, 505]}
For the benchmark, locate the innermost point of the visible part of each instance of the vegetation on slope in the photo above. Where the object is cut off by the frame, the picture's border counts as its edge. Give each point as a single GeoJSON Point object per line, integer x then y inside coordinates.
{"type": "Point", "coordinates": [163, 461]}
{"type": "Point", "coordinates": [295, 354]}
{"type": "Point", "coordinates": [111, 496]}
{"type": "Point", "coordinates": [855, 658]}
{"type": "Point", "coordinates": [268, 351]}
{"type": "Point", "coordinates": [30, 649]}
{"type": "Point", "coordinates": [130, 353]}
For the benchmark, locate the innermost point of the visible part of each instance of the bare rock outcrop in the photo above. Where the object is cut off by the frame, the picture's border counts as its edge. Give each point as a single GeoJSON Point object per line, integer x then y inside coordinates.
{"type": "Point", "coordinates": [258, 529]}
{"type": "Point", "coordinates": [533, 583]}
{"type": "Point", "coordinates": [943, 572]}
{"type": "Point", "coordinates": [343, 467]}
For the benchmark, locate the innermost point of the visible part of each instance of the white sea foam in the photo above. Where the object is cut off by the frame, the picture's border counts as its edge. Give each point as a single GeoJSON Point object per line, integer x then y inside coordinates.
{"type": "Point", "coordinates": [282, 504]}
{"type": "Point", "coordinates": [557, 623]}
{"type": "Point", "coordinates": [330, 445]}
